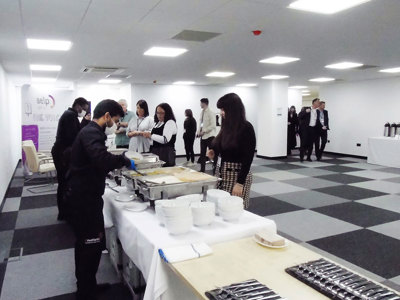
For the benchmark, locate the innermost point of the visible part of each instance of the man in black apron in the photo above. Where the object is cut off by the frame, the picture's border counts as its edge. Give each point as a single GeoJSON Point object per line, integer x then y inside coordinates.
{"type": "Point", "coordinates": [90, 162]}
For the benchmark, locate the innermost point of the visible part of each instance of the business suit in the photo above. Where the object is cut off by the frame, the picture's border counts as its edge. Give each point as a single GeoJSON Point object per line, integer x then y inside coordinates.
{"type": "Point", "coordinates": [309, 133]}
{"type": "Point", "coordinates": [324, 120]}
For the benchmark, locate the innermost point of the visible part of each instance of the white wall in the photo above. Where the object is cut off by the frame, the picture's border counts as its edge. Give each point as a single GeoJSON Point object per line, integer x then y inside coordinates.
{"type": "Point", "coordinates": [10, 124]}
{"type": "Point", "coordinates": [188, 97]}
{"type": "Point", "coordinates": [359, 110]}
{"type": "Point", "coordinates": [96, 93]}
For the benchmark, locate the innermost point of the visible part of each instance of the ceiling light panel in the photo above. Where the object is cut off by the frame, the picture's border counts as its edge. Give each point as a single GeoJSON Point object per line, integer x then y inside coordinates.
{"type": "Point", "coordinates": [165, 52]}
{"type": "Point", "coordinates": [322, 79]}
{"type": "Point", "coordinates": [220, 74]}
{"type": "Point", "coordinates": [325, 6]}
{"type": "Point", "coordinates": [54, 45]}
{"type": "Point", "coordinates": [391, 70]}
{"type": "Point", "coordinates": [279, 60]}
{"type": "Point", "coordinates": [275, 77]}
{"type": "Point", "coordinates": [344, 65]}
{"type": "Point", "coordinates": [246, 84]}
{"type": "Point", "coordinates": [184, 82]}
{"type": "Point", "coordinates": [109, 81]}
{"type": "Point", "coordinates": [299, 87]}
{"type": "Point", "coordinates": [45, 67]}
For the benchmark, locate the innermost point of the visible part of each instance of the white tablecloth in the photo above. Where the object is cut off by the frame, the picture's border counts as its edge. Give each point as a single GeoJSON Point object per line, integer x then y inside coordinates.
{"type": "Point", "coordinates": [384, 151]}
{"type": "Point", "coordinates": [141, 236]}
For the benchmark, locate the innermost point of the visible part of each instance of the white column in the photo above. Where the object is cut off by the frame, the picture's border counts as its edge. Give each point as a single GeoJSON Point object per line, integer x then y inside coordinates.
{"type": "Point", "coordinates": [295, 98]}
{"type": "Point", "coordinates": [272, 119]}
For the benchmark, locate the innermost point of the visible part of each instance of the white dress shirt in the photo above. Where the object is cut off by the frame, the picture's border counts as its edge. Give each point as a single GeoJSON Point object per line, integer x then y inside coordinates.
{"type": "Point", "coordinates": [313, 117]}
{"type": "Point", "coordinates": [140, 143]}
{"type": "Point", "coordinates": [208, 123]}
{"type": "Point", "coordinates": [170, 129]}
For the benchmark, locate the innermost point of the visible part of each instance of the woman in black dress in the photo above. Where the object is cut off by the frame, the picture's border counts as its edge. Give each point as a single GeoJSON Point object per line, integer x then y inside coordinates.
{"type": "Point", "coordinates": [293, 129]}
{"type": "Point", "coordinates": [190, 127]}
{"type": "Point", "coordinates": [236, 144]}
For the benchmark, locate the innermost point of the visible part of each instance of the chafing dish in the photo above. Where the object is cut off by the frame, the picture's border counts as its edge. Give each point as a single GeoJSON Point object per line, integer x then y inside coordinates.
{"type": "Point", "coordinates": [152, 187]}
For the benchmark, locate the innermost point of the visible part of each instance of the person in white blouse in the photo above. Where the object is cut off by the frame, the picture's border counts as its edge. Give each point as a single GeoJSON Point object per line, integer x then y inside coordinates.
{"type": "Point", "coordinates": [163, 134]}
{"type": "Point", "coordinates": [137, 126]}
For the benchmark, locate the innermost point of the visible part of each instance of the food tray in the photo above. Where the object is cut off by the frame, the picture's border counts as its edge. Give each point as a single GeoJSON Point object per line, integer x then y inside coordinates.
{"type": "Point", "coordinates": [336, 282]}
{"type": "Point", "coordinates": [152, 186]}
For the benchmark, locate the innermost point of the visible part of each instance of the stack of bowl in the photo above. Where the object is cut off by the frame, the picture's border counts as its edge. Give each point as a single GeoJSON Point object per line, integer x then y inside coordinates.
{"type": "Point", "coordinates": [230, 208]}
{"type": "Point", "coordinates": [177, 216]}
{"type": "Point", "coordinates": [158, 209]}
{"type": "Point", "coordinates": [214, 195]}
{"type": "Point", "coordinates": [203, 213]}
{"type": "Point", "coordinates": [191, 198]}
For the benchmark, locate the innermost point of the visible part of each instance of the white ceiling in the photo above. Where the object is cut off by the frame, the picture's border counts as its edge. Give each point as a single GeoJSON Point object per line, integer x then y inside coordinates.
{"type": "Point", "coordinates": [116, 33]}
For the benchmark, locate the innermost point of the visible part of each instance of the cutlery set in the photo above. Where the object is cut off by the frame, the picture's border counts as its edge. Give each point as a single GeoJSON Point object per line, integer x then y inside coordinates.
{"type": "Point", "coordinates": [338, 283]}
{"type": "Point", "coordinates": [246, 290]}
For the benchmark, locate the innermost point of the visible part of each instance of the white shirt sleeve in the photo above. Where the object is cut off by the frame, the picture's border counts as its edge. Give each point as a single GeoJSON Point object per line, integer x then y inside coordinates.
{"type": "Point", "coordinates": [169, 130]}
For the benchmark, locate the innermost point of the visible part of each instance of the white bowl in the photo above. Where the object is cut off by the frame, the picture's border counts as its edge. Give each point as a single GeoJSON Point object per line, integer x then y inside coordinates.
{"type": "Point", "coordinates": [191, 198]}
{"type": "Point", "coordinates": [176, 212]}
{"type": "Point", "coordinates": [231, 216]}
{"type": "Point", "coordinates": [213, 195]}
{"type": "Point", "coordinates": [178, 226]}
{"type": "Point", "coordinates": [203, 213]}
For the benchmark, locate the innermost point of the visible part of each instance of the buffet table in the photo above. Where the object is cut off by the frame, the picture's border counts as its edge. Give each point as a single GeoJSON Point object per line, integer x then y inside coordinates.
{"type": "Point", "coordinates": [141, 236]}
{"type": "Point", "coordinates": [384, 151]}
{"type": "Point", "coordinates": [240, 260]}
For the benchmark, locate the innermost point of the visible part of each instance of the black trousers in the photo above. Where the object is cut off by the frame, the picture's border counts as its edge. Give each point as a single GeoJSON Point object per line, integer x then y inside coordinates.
{"type": "Point", "coordinates": [324, 140]}
{"type": "Point", "coordinates": [189, 141]}
{"type": "Point", "coordinates": [61, 169]}
{"type": "Point", "coordinates": [309, 138]}
{"type": "Point", "coordinates": [88, 225]}
{"type": "Point", "coordinates": [204, 144]}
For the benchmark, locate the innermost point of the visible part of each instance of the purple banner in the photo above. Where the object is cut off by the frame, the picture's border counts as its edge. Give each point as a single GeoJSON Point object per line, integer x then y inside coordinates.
{"type": "Point", "coordinates": [30, 132]}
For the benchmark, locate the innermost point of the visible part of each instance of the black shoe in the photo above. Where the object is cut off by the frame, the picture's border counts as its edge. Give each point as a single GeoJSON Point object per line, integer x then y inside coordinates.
{"type": "Point", "coordinates": [60, 217]}
{"type": "Point", "coordinates": [318, 158]}
{"type": "Point", "coordinates": [309, 159]}
{"type": "Point", "coordinates": [301, 159]}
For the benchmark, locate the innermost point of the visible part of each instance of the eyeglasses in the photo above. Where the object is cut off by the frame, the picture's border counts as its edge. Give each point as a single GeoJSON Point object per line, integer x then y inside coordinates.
{"type": "Point", "coordinates": [160, 113]}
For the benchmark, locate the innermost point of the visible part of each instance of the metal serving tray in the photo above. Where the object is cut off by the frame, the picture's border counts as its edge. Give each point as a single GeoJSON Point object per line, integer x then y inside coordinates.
{"type": "Point", "coordinates": [154, 191]}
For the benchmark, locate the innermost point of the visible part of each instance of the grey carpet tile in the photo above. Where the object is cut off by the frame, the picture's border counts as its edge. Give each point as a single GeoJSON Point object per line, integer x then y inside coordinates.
{"type": "Point", "coordinates": [350, 192]}
{"type": "Point", "coordinates": [344, 178]}
{"type": "Point", "coordinates": [339, 169]}
{"type": "Point", "coordinates": [8, 220]}
{"type": "Point", "coordinates": [367, 249]}
{"type": "Point", "coordinates": [43, 239]}
{"type": "Point", "coordinates": [359, 214]}
{"type": "Point", "coordinates": [264, 206]}
{"type": "Point", "coordinates": [38, 201]}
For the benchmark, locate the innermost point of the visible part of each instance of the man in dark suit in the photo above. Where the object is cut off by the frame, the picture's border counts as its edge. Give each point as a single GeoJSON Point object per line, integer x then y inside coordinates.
{"type": "Point", "coordinates": [324, 120]}
{"type": "Point", "coordinates": [309, 121]}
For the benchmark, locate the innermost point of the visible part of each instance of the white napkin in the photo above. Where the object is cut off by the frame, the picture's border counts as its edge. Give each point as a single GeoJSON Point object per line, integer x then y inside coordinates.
{"type": "Point", "coordinates": [185, 252]}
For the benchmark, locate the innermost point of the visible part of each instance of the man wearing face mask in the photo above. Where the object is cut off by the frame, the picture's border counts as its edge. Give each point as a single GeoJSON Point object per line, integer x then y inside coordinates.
{"type": "Point", "coordinates": [89, 165]}
{"type": "Point", "coordinates": [67, 130]}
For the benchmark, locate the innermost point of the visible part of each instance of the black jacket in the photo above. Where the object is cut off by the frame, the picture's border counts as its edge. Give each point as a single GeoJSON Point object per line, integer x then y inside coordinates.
{"type": "Point", "coordinates": [90, 162]}
{"type": "Point", "coordinates": [67, 130]}
{"type": "Point", "coordinates": [190, 127]}
{"type": "Point", "coordinates": [304, 118]}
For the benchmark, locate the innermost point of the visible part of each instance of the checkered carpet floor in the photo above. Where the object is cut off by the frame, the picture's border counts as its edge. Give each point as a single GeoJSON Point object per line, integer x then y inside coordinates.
{"type": "Point", "coordinates": [340, 207]}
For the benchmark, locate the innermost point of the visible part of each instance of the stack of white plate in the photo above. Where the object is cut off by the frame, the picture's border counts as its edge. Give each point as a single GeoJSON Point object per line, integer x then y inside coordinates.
{"type": "Point", "coordinates": [214, 195]}
{"type": "Point", "coordinates": [203, 213]}
{"type": "Point", "coordinates": [191, 198]}
{"type": "Point", "coordinates": [158, 209]}
{"type": "Point", "coordinates": [177, 216]}
{"type": "Point", "coordinates": [230, 208]}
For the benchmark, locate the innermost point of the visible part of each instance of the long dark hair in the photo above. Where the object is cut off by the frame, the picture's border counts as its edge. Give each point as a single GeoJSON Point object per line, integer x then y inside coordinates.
{"type": "Point", "coordinates": [169, 114]}
{"type": "Point", "coordinates": [188, 113]}
{"type": "Point", "coordinates": [233, 122]}
{"type": "Point", "coordinates": [143, 105]}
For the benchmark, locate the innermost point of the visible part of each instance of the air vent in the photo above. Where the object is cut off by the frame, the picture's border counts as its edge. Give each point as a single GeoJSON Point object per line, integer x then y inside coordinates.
{"type": "Point", "coordinates": [118, 76]}
{"type": "Point", "coordinates": [108, 70]}
{"type": "Point", "coordinates": [195, 36]}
